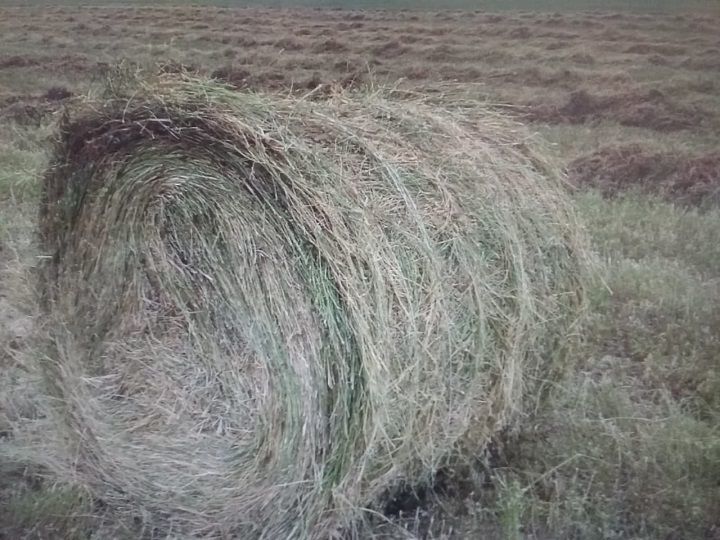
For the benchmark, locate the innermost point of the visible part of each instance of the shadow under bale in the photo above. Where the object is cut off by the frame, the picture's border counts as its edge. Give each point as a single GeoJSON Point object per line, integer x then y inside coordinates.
{"type": "Point", "coordinates": [265, 312]}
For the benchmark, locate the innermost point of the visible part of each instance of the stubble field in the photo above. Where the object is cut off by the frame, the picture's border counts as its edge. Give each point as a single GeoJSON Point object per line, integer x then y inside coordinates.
{"type": "Point", "coordinates": [629, 446]}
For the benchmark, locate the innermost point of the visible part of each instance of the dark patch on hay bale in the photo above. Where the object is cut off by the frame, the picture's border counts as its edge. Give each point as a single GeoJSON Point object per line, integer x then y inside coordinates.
{"type": "Point", "coordinates": [57, 93]}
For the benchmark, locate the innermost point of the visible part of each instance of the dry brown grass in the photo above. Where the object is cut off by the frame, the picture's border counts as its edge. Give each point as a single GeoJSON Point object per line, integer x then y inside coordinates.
{"type": "Point", "coordinates": [649, 109]}
{"type": "Point", "coordinates": [679, 177]}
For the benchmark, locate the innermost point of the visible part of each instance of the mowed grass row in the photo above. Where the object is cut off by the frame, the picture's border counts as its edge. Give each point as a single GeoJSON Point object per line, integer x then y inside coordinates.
{"type": "Point", "coordinates": [617, 57]}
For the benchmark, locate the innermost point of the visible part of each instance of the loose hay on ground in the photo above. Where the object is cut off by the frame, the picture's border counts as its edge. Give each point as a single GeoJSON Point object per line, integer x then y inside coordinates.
{"type": "Point", "coordinates": [267, 311]}
{"type": "Point", "coordinates": [679, 177]}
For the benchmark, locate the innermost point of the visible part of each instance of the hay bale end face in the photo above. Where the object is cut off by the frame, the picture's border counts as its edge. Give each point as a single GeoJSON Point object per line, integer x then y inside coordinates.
{"type": "Point", "coordinates": [267, 311]}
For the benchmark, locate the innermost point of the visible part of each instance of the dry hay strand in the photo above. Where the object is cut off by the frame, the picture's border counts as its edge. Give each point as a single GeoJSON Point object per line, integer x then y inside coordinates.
{"type": "Point", "coordinates": [267, 311]}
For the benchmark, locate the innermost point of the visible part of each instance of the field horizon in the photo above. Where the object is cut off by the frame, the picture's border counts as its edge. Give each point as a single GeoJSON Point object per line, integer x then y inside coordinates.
{"type": "Point", "coordinates": [639, 6]}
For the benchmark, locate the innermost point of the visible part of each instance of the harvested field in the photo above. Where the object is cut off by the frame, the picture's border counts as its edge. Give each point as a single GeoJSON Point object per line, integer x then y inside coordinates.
{"type": "Point", "coordinates": [625, 445]}
{"type": "Point", "coordinates": [382, 40]}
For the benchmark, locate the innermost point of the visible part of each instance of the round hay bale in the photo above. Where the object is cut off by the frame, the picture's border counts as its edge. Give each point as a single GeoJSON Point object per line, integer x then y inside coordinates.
{"type": "Point", "coordinates": [267, 311]}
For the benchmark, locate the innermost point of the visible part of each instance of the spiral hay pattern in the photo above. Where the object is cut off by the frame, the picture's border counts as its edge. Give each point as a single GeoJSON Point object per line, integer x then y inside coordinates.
{"type": "Point", "coordinates": [266, 311]}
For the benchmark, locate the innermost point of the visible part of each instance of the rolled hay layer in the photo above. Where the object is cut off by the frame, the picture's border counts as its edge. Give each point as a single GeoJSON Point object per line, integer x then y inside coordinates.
{"type": "Point", "coordinates": [267, 311]}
